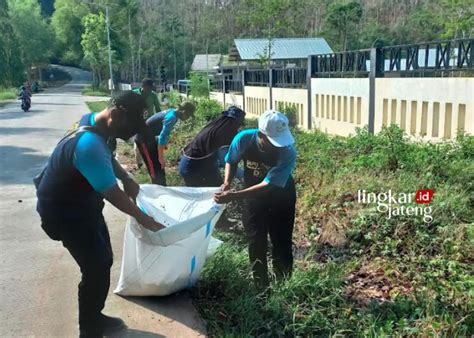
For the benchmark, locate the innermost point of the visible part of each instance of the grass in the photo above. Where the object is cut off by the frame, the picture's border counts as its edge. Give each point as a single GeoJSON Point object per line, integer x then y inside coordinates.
{"type": "Point", "coordinates": [8, 94]}
{"type": "Point", "coordinates": [357, 273]}
{"type": "Point", "coordinates": [89, 91]}
{"type": "Point", "coordinates": [97, 106]}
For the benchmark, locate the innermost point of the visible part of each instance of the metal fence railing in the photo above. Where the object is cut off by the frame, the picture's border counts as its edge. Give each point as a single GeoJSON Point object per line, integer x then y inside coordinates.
{"type": "Point", "coordinates": [259, 77]}
{"type": "Point", "coordinates": [438, 58]}
{"type": "Point", "coordinates": [289, 78]}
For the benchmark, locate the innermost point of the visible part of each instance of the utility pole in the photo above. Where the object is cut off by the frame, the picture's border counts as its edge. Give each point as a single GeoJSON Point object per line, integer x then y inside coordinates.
{"type": "Point", "coordinates": [107, 22]}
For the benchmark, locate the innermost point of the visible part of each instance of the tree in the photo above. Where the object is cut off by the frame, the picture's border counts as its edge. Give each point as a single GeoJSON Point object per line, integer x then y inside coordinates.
{"type": "Point", "coordinates": [344, 18]}
{"type": "Point", "coordinates": [11, 68]}
{"type": "Point", "coordinates": [457, 17]}
{"type": "Point", "coordinates": [35, 38]}
{"type": "Point", "coordinates": [67, 25]}
{"type": "Point", "coordinates": [94, 44]}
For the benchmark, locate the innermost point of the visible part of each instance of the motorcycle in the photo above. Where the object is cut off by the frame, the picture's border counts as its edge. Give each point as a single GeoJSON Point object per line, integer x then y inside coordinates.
{"type": "Point", "coordinates": [25, 104]}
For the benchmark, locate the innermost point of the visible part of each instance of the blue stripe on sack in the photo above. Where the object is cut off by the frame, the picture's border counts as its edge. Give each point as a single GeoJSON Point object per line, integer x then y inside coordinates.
{"type": "Point", "coordinates": [193, 267]}
{"type": "Point", "coordinates": [208, 228]}
{"type": "Point", "coordinates": [142, 208]}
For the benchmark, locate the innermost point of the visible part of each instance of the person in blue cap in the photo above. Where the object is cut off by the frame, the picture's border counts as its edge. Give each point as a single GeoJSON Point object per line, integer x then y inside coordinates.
{"type": "Point", "coordinates": [80, 173]}
{"type": "Point", "coordinates": [199, 165]}
{"type": "Point", "coordinates": [269, 196]}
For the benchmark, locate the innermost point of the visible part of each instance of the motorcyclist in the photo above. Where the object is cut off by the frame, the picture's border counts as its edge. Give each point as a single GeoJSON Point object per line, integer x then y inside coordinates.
{"type": "Point", "coordinates": [25, 97]}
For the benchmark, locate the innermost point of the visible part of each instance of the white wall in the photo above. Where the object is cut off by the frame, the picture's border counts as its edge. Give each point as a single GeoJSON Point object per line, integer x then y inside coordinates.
{"type": "Point", "coordinates": [427, 108]}
{"type": "Point", "coordinates": [339, 105]}
{"type": "Point", "coordinates": [293, 97]}
{"type": "Point", "coordinates": [257, 100]}
{"type": "Point", "coordinates": [230, 99]}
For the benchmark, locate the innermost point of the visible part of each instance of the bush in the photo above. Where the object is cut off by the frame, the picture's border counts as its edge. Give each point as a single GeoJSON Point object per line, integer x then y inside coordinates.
{"type": "Point", "coordinates": [8, 94]}
{"type": "Point", "coordinates": [291, 112]}
{"type": "Point", "coordinates": [208, 109]}
{"type": "Point", "coordinates": [172, 99]}
{"type": "Point", "coordinates": [199, 86]}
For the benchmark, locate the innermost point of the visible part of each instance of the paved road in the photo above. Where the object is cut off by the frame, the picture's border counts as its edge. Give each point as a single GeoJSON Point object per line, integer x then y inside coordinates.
{"type": "Point", "coordinates": [38, 278]}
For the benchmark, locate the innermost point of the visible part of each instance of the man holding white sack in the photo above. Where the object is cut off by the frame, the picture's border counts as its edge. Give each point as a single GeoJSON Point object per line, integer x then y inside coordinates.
{"type": "Point", "coordinates": [81, 172]}
{"type": "Point", "coordinates": [269, 196]}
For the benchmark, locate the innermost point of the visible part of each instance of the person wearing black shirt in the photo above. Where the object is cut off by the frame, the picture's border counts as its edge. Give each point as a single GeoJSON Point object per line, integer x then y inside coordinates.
{"type": "Point", "coordinates": [199, 161]}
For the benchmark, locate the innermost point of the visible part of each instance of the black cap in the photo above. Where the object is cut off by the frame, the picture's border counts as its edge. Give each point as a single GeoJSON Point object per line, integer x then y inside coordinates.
{"type": "Point", "coordinates": [235, 113]}
{"type": "Point", "coordinates": [133, 104]}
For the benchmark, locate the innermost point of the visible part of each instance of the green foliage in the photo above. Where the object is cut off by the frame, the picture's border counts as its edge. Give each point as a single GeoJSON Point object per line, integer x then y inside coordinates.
{"type": "Point", "coordinates": [68, 28]}
{"type": "Point", "coordinates": [11, 67]}
{"type": "Point", "coordinates": [8, 94]}
{"type": "Point", "coordinates": [291, 112]}
{"type": "Point", "coordinates": [199, 85]}
{"type": "Point", "coordinates": [32, 31]}
{"type": "Point", "coordinates": [94, 44]}
{"type": "Point", "coordinates": [344, 17]}
{"type": "Point", "coordinates": [207, 109]}
{"type": "Point", "coordinates": [432, 259]}
{"type": "Point", "coordinates": [100, 91]}
{"type": "Point", "coordinates": [97, 106]}
{"type": "Point", "coordinates": [172, 99]}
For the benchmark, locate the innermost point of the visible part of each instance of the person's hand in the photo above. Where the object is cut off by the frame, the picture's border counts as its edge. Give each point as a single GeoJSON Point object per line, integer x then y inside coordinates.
{"type": "Point", "coordinates": [150, 224]}
{"type": "Point", "coordinates": [131, 187]}
{"type": "Point", "coordinates": [162, 161]}
{"type": "Point", "coordinates": [224, 197]}
{"type": "Point", "coordinates": [225, 186]}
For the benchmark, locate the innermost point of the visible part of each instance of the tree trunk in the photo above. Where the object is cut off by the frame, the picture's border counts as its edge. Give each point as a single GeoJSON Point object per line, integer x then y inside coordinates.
{"type": "Point", "coordinates": [131, 46]}
{"type": "Point", "coordinates": [140, 53]}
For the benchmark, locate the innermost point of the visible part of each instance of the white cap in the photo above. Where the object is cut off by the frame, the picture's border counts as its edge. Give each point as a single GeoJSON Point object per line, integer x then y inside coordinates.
{"type": "Point", "coordinates": [275, 126]}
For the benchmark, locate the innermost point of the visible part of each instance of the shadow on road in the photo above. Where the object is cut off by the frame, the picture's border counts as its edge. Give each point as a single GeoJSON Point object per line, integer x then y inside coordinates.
{"type": "Point", "coordinates": [19, 164]}
{"type": "Point", "coordinates": [13, 113]}
{"type": "Point", "coordinates": [22, 130]}
{"type": "Point", "coordinates": [55, 104]}
{"type": "Point", "coordinates": [162, 306]}
{"type": "Point", "coordinates": [129, 333]}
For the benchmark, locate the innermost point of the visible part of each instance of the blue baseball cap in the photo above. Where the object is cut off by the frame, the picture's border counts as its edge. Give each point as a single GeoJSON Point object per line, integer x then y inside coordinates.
{"type": "Point", "coordinates": [235, 113]}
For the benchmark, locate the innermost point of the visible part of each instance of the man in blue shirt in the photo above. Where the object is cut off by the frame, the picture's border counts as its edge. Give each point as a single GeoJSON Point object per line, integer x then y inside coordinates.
{"type": "Point", "coordinates": [269, 196]}
{"type": "Point", "coordinates": [80, 173]}
{"type": "Point", "coordinates": [153, 140]}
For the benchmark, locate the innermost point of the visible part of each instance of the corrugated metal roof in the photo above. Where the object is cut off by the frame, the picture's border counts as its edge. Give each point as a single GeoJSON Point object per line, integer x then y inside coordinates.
{"type": "Point", "coordinates": [288, 48]}
{"type": "Point", "coordinates": [203, 62]}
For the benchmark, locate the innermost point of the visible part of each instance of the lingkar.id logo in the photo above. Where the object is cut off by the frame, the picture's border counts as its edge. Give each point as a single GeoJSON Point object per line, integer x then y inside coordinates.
{"type": "Point", "coordinates": [400, 204]}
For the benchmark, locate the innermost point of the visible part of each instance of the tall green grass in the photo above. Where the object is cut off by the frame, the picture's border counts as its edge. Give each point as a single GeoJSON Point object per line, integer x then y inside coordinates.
{"type": "Point", "coordinates": [362, 274]}
{"type": "Point", "coordinates": [8, 94]}
{"type": "Point", "coordinates": [90, 91]}
{"type": "Point", "coordinates": [97, 106]}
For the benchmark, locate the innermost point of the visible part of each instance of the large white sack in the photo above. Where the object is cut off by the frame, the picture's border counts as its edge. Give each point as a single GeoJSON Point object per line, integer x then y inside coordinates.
{"type": "Point", "coordinates": [163, 262]}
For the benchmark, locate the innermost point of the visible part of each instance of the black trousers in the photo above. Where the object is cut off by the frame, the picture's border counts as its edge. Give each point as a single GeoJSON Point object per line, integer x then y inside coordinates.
{"type": "Point", "coordinates": [271, 214]}
{"type": "Point", "coordinates": [89, 245]}
{"type": "Point", "coordinates": [149, 154]}
{"type": "Point", "coordinates": [200, 173]}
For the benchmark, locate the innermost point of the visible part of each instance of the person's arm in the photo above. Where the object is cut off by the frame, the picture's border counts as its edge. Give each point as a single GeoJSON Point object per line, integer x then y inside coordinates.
{"type": "Point", "coordinates": [93, 160]}
{"type": "Point", "coordinates": [253, 191]}
{"type": "Point", "coordinates": [277, 176]}
{"type": "Point", "coordinates": [229, 174]}
{"type": "Point", "coordinates": [122, 202]}
{"type": "Point", "coordinates": [129, 185]}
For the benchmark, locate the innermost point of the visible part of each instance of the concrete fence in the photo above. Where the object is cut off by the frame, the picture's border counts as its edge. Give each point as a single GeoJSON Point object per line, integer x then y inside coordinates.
{"type": "Point", "coordinates": [425, 89]}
